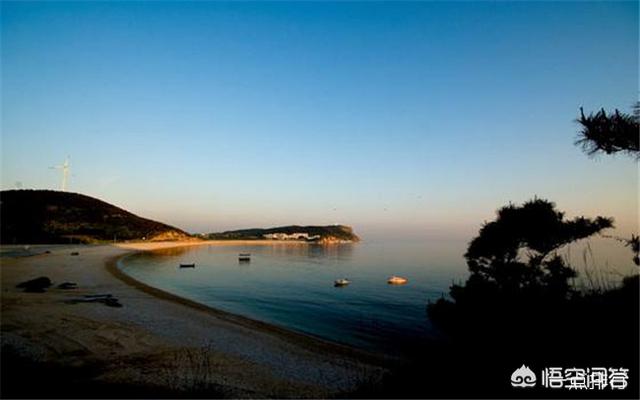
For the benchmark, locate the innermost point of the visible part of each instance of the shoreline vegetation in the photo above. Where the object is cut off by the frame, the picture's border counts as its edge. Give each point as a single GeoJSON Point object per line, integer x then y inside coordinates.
{"type": "Point", "coordinates": [155, 333]}
{"type": "Point", "coordinates": [329, 234]}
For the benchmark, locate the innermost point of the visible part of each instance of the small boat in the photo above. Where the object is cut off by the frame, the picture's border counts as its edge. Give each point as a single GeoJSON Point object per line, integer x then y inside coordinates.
{"type": "Point", "coordinates": [397, 280]}
{"type": "Point", "coordinates": [75, 253]}
{"type": "Point", "coordinates": [193, 265]}
{"type": "Point", "coordinates": [341, 282]}
{"type": "Point", "coordinates": [244, 257]}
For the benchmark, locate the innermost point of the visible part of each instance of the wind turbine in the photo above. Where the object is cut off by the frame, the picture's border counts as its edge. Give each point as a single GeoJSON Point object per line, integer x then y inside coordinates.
{"type": "Point", "coordinates": [65, 167]}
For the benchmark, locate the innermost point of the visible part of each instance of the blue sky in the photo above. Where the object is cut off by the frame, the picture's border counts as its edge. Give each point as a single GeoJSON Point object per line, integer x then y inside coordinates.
{"type": "Point", "coordinates": [415, 118]}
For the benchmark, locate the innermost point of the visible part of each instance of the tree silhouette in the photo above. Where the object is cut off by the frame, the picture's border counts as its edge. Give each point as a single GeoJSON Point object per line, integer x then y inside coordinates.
{"type": "Point", "coordinates": [634, 243]}
{"type": "Point", "coordinates": [610, 133]}
{"type": "Point", "coordinates": [519, 301]}
{"type": "Point", "coordinates": [496, 254]}
{"type": "Point", "coordinates": [515, 266]}
{"type": "Point", "coordinates": [519, 304]}
{"type": "Point", "coordinates": [613, 133]}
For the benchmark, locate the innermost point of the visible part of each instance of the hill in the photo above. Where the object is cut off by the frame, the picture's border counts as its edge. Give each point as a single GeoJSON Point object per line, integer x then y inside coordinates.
{"type": "Point", "coordinates": [325, 234]}
{"type": "Point", "coordinates": [48, 216]}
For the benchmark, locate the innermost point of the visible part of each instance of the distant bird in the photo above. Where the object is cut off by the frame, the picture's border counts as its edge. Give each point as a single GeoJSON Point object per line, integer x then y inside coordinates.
{"type": "Point", "coordinates": [65, 167]}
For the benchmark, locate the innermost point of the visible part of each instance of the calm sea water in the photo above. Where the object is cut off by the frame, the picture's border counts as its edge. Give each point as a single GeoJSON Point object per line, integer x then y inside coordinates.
{"type": "Point", "coordinates": [291, 285]}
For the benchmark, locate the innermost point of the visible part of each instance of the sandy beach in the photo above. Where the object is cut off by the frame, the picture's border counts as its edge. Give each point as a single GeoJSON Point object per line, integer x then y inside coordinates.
{"type": "Point", "coordinates": [157, 340]}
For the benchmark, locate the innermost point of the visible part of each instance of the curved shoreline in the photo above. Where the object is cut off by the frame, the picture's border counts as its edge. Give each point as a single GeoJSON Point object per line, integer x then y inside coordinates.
{"type": "Point", "coordinates": [156, 341]}
{"type": "Point", "coordinates": [308, 341]}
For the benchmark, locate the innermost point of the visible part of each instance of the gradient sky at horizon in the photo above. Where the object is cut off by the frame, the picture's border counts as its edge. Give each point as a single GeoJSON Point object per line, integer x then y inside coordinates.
{"type": "Point", "coordinates": [409, 118]}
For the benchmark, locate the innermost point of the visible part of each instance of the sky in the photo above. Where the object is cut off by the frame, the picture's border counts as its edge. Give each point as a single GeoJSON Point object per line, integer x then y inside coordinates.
{"type": "Point", "coordinates": [404, 119]}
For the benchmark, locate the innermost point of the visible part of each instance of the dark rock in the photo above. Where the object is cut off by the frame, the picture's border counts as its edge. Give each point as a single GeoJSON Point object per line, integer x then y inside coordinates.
{"type": "Point", "coordinates": [38, 285]}
{"type": "Point", "coordinates": [106, 299]}
{"type": "Point", "coordinates": [68, 285]}
{"type": "Point", "coordinates": [111, 302]}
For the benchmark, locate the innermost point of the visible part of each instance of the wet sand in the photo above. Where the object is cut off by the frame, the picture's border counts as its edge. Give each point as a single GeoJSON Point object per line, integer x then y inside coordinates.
{"type": "Point", "coordinates": [160, 340]}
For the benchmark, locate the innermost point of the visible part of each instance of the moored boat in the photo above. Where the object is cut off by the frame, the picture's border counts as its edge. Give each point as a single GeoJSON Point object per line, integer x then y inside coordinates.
{"type": "Point", "coordinates": [341, 282]}
{"type": "Point", "coordinates": [397, 280]}
{"type": "Point", "coordinates": [193, 265]}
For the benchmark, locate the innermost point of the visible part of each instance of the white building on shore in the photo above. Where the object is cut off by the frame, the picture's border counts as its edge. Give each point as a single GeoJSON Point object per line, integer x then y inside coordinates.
{"type": "Point", "coordinates": [290, 236]}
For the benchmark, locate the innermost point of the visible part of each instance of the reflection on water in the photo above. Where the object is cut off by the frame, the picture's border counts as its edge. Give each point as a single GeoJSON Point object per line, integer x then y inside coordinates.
{"type": "Point", "coordinates": [171, 251]}
{"type": "Point", "coordinates": [291, 284]}
{"type": "Point", "coordinates": [307, 250]}
{"type": "Point", "coordinates": [304, 250]}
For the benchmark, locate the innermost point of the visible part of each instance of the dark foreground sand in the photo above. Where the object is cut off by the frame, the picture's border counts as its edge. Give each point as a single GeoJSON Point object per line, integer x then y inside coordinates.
{"type": "Point", "coordinates": [158, 341]}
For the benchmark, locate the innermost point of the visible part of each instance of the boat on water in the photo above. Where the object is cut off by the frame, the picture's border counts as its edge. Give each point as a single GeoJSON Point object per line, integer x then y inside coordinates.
{"type": "Point", "coordinates": [244, 257]}
{"type": "Point", "coordinates": [397, 280]}
{"type": "Point", "coordinates": [341, 282]}
{"type": "Point", "coordinates": [193, 265]}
